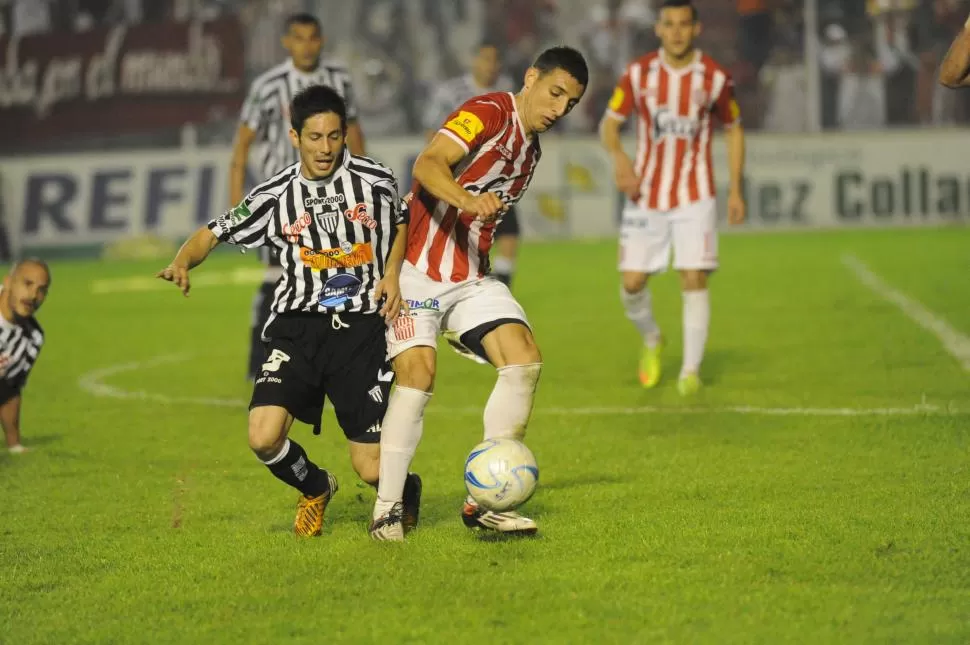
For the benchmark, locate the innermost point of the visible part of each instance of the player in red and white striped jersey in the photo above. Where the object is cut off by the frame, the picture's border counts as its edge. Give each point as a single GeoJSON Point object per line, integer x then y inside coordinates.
{"type": "Point", "coordinates": [676, 93]}
{"type": "Point", "coordinates": [478, 165]}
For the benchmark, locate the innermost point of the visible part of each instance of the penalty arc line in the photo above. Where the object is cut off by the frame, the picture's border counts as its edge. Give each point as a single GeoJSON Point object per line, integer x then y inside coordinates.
{"type": "Point", "coordinates": [93, 383]}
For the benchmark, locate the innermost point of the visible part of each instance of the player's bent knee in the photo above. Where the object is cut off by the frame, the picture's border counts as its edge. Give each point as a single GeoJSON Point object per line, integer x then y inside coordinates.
{"type": "Point", "coordinates": [415, 368]}
{"type": "Point", "coordinates": [511, 344]}
{"type": "Point", "coordinates": [634, 282]}
{"type": "Point", "coordinates": [267, 430]}
{"type": "Point", "coordinates": [693, 279]}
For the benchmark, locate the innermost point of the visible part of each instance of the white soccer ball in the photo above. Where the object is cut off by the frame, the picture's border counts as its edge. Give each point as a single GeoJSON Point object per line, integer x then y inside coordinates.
{"type": "Point", "coordinates": [501, 474]}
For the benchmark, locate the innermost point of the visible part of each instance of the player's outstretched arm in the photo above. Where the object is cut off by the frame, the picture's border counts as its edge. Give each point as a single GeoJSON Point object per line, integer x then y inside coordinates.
{"type": "Point", "coordinates": [10, 419]}
{"type": "Point", "coordinates": [237, 166]}
{"type": "Point", "coordinates": [433, 170]}
{"type": "Point", "coordinates": [195, 250]}
{"type": "Point", "coordinates": [623, 172]}
{"type": "Point", "coordinates": [955, 68]}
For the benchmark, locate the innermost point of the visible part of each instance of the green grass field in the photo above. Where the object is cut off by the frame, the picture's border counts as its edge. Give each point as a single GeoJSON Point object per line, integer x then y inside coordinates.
{"type": "Point", "coordinates": [816, 491]}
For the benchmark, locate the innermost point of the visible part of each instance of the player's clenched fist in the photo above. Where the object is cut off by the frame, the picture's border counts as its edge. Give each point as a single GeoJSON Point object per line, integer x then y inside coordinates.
{"type": "Point", "coordinates": [485, 206]}
{"type": "Point", "coordinates": [177, 274]}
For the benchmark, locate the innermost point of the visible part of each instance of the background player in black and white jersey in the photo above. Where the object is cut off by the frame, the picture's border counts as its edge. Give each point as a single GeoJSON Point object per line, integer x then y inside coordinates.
{"type": "Point", "coordinates": [336, 220]}
{"type": "Point", "coordinates": [265, 118]}
{"type": "Point", "coordinates": [484, 76]}
{"type": "Point", "coordinates": [21, 337]}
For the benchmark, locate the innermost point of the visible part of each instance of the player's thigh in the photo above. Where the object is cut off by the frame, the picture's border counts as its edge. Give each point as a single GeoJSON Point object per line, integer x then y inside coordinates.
{"type": "Point", "coordinates": [645, 240]}
{"type": "Point", "coordinates": [358, 377]}
{"type": "Point", "coordinates": [288, 378]}
{"type": "Point", "coordinates": [695, 237]}
{"type": "Point", "coordinates": [483, 308]}
{"type": "Point", "coordinates": [366, 460]}
{"type": "Point", "coordinates": [427, 301]}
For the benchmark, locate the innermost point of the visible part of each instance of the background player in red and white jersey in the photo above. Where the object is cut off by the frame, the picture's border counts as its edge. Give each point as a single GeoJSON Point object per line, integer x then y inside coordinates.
{"type": "Point", "coordinates": [478, 165]}
{"type": "Point", "coordinates": [676, 93]}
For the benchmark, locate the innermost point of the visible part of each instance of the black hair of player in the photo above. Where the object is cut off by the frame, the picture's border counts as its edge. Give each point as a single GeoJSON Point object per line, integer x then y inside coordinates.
{"type": "Point", "coordinates": [676, 4]}
{"type": "Point", "coordinates": [302, 19]}
{"type": "Point", "coordinates": [313, 100]}
{"type": "Point", "coordinates": [565, 58]}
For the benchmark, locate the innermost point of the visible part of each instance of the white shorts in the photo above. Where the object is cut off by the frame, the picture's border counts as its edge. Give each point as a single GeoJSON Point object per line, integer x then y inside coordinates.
{"type": "Point", "coordinates": [448, 308]}
{"type": "Point", "coordinates": [647, 237]}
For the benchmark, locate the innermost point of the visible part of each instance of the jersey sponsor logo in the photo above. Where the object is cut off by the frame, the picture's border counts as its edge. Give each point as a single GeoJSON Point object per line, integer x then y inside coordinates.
{"type": "Point", "coordinates": [238, 213]}
{"type": "Point", "coordinates": [359, 214]}
{"type": "Point", "coordinates": [339, 289]}
{"type": "Point", "coordinates": [431, 304]}
{"type": "Point", "coordinates": [292, 232]}
{"type": "Point", "coordinates": [668, 124]}
{"type": "Point", "coordinates": [466, 125]}
{"type": "Point", "coordinates": [351, 255]}
{"type": "Point", "coordinates": [310, 202]}
{"type": "Point", "coordinates": [616, 101]}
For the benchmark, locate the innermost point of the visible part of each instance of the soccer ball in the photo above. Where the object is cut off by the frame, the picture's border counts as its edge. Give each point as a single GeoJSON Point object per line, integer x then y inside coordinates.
{"type": "Point", "coordinates": [501, 474]}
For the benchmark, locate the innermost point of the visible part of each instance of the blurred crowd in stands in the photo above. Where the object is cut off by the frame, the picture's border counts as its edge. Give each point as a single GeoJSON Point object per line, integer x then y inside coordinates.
{"type": "Point", "coordinates": [876, 59]}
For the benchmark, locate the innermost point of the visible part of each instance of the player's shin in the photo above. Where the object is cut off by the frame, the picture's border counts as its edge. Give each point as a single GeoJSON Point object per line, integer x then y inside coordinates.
{"type": "Point", "coordinates": [510, 404]}
{"type": "Point", "coordinates": [697, 319]}
{"type": "Point", "coordinates": [400, 434]}
{"type": "Point", "coordinates": [292, 466]}
{"type": "Point", "coordinates": [638, 307]}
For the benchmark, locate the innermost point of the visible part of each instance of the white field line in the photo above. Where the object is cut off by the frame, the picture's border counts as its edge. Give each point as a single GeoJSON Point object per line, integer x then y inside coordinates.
{"type": "Point", "coordinates": [954, 342]}
{"type": "Point", "coordinates": [93, 383]}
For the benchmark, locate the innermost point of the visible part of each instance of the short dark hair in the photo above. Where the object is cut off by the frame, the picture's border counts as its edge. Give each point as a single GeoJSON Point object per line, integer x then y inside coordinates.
{"type": "Point", "coordinates": [565, 58]}
{"type": "Point", "coordinates": [316, 99]}
{"type": "Point", "coordinates": [675, 4]}
{"type": "Point", "coordinates": [302, 19]}
{"type": "Point", "coordinates": [36, 262]}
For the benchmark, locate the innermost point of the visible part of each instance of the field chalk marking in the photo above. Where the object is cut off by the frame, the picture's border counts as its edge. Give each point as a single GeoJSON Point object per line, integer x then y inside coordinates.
{"type": "Point", "coordinates": [93, 383]}
{"type": "Point", "coordinates": [955, 343]}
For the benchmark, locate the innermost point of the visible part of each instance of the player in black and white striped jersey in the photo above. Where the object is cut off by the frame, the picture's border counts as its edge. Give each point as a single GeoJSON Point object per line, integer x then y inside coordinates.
{"type": "Point", "coordinates": [485, 76]}
{"type": "Point", "coordinates": [265, 117]}
{"type": "Point", "coordinates": [341, 234]}
{"type": "Point", "coordinates": [21, 338]}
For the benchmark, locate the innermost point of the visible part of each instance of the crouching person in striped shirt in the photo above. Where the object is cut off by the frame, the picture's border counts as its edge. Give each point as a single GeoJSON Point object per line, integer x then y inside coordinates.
{"type": "Point", "coordinates": [24, 291]}
{"type": "Point", "coordinates": [337, 223]}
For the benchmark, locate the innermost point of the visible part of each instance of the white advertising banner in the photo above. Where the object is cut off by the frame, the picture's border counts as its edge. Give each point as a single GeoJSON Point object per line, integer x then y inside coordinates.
{"type": "Point", "coordinates": [839, 180]}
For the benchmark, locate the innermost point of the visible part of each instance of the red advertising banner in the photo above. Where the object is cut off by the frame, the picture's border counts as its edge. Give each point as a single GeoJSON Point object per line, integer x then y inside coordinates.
{"type": "Point", "coordinates": [119, 79]}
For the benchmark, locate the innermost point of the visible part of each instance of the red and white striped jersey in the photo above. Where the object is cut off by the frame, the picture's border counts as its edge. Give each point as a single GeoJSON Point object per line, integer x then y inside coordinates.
{"type": "Point", "coordinates": [674, 109]}
{"type": "Point", "coordinates": [443, 241]}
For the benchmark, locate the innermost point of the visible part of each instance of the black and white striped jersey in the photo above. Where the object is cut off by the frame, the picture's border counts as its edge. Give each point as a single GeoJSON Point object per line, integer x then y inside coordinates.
{"type": "Point", "coordinates": [333, 235]}
{"type": "Point", "coordinates": [20, 344]}
{"type": "Point", "coordinates": [267, 107]}
{"type": "Point", "coordinates": [450, 94]}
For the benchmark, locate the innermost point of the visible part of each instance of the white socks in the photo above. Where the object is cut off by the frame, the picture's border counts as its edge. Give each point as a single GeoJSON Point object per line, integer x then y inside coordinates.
{"type": "Point", "coordinates": [697, 319]}
{"type": "Point", "coordinates": [400, 434]}
{"type": "Point", "coordinates": [510, 404]}
{"type": "Point", "coordinates": [639, 310]}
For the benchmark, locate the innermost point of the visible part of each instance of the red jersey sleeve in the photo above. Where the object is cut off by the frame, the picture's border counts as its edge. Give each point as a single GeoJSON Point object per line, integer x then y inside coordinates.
{"type": "Point", "coordinates": [475, 122]}
{"type": "Point", "coordinates": [726, 106]}
{"type": "Point", "coordinates": [621, 103]}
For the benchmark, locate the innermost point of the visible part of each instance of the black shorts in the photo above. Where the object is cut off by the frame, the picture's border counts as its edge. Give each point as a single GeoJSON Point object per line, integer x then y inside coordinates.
{"type": "Point", "coordinates": [307, 359]}
{"type": "Point", "coordinates": [509, 224]}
